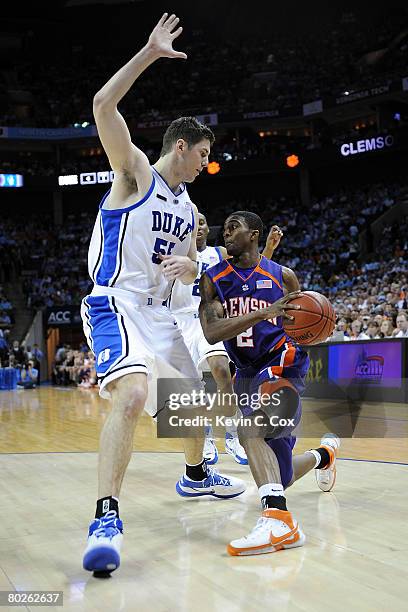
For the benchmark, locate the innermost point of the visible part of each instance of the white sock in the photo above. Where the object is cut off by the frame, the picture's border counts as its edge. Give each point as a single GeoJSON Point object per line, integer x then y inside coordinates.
{"type": "Point", "coordinates": [195, 464]}
{"type": "Point", "coordinates": [316, 455]}
{"type": "Point", "coordinates": [272, 488]}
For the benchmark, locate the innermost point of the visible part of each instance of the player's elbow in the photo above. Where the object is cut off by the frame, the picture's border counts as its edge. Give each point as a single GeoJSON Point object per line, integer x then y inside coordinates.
{"type": "Point", "coordinates": [100, 103]}
{"type": "Point", "coordinates": [210, 336]}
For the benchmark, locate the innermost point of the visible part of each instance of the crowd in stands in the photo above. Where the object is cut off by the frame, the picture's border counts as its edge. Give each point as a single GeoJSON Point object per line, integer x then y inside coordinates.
{"type": "Point", "coordinates": [281, 72]}
{"type": "Point", "coordinates": [248, 145]}
{"type": "Point", "coordinates": [28, 166]}
{"type": "Point", "coordinates": [74, 367]}
{"type": "Point", "coordinates": [321, 243]}
{"type": "Point", "coordinates": [63, 275]}
{"type": "Point", "coordinates": [6, 311]}
{"type": "Point", "coordinates": [70, 367]}
{"type": "Point", "coordinates": [376, 292]}
{"type": "Point", "coordinates": [24, 358]}
{"type": "Point", "coordinates": [16, 240]}
{"type": "Point", "coordinates": [239, 144]}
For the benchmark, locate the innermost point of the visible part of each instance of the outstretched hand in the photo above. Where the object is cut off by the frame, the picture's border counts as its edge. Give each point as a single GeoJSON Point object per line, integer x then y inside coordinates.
{"type": "Point", "coordinates": [163, 35]}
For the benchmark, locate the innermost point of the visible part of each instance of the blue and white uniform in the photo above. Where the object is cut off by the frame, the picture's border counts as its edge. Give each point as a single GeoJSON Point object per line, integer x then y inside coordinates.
{"type": "Point", "coordinates": [126, 323]}
{"type": "Point", "coordinates": [184, 303]}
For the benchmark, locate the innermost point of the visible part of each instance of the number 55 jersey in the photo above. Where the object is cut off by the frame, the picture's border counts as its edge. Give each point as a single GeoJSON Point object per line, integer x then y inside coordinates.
{"type": "Point", "coordinates": [126, 242]}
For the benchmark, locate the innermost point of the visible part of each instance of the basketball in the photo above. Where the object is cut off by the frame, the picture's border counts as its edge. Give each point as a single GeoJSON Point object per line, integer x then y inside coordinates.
{"type": "Point", "coordinates": [315, 320]}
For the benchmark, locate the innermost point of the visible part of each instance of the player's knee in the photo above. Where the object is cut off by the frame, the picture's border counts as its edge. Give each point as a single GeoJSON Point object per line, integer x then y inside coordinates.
{"type": "Point", "coordinates": [281, 408]}
{"type": "Point", "coordinates": [133, 406]}
{"type": "Point", "coordinates": [129, 397]}
{"type": "Point", "coordinates": [220, 371]}
{"type": "Point", "coordinates": [130, 407]}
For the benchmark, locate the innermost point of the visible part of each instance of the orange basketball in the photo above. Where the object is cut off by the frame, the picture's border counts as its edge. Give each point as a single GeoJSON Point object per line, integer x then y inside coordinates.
{"type": "Point", "coordinates": [315, 320]}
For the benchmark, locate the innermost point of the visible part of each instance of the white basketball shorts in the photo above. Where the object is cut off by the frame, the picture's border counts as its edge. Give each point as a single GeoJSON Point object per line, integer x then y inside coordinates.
{"type": "Point", "coordinates": [200, 349]}
{"type": "Point", "coordinates": [131, 333]}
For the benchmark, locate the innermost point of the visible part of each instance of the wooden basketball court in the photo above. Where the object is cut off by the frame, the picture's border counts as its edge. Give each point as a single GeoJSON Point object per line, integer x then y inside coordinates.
{"type": "Point", "coordinates": [174, 556]}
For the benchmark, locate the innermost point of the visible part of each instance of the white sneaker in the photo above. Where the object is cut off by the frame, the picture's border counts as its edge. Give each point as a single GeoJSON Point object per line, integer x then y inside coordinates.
{"type": "Point", "coordinates": [234, 448]}
{"type": "Point", "coordinates": [210, 451]}
{"type": "Point", "coordinates": [326, 477]}
{"type": "Point", "coordinates": [275, 530]}
{"type": "Point", "coordinates": [104, 541]}
{"type": "Point", "coordinates": [217, 485]}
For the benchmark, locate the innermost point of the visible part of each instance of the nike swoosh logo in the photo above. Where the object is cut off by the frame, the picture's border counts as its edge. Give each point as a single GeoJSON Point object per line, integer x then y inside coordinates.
{"type": "Point", "coordinates": [194, 489]}
{"type": "Point", "coordinates": [279, 540]}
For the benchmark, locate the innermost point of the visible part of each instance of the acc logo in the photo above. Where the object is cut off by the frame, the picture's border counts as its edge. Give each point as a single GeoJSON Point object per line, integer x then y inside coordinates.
{"type": "Point", "coordinates": [369, 368]}
{"type": "Point", "coordinates": [104, 356]}
{"type": "Point", "coordinates": [61, 316]}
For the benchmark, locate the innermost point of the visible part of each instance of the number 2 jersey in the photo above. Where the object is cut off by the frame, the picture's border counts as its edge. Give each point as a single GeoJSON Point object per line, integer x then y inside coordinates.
{"type": "Point", "coordinates": [125, 243]}
{"type": "Point", "coordinates": [186, 298]}
{"type": "Point", "coordinates": [242, 291]}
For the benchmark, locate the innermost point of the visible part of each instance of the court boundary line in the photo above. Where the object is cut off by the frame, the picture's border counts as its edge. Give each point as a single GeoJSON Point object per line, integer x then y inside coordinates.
{"type": "Point", "coordinates": [174, 452]}
{"type": "Point", "coordinates": [372, 461]}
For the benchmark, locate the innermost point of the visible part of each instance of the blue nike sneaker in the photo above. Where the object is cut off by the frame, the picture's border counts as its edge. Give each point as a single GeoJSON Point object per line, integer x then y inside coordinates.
{"type": "Point", "coordinates": [217, 485]}
{"type": "Point", "coordinates": [234, 448]}
{"type": "Point", "coordinates": [104, 541]}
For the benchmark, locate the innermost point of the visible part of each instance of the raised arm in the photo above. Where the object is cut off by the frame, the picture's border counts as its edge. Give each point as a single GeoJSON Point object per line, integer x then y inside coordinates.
{"type": "Point", "coordinates": [272, 241]}
{"type": "Point", "coordinates": [123, 155]}
{"type": "Point", "coordinates": [217, 328]}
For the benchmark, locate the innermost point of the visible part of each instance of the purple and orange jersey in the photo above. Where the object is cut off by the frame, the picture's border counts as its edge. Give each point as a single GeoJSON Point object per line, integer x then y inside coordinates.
{"type": "Point", "coordinates": [242, 291]}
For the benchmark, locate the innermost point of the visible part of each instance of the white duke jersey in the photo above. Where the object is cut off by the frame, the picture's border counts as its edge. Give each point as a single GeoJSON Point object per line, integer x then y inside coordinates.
{"type": "Point", "coordinates": [186, 298]}
{"type": "Point", "coordinates": [125, 243]}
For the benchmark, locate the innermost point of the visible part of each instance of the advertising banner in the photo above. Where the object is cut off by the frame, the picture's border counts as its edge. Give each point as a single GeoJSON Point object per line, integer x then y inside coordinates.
{"type": "Point", "coordinates": [58, 316]}
{"type": "Point", "coordinates": [368, 364]}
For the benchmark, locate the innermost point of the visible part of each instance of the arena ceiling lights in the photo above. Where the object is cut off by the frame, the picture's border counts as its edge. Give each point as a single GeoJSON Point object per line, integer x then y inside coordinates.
{"type": "Point", "coordinates": [213, 167]}
{"type": "Point", "coordinates": [292, 161]}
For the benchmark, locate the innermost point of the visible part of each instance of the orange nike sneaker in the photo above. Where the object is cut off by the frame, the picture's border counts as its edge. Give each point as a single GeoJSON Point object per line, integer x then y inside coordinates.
{"type": "Point", "coordinates": [326, 477]}
{"type": "Point", "coordinates": [275, 530]}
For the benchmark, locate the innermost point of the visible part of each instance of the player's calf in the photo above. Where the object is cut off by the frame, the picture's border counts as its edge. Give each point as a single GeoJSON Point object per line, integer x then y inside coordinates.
{"type": "Point", "coordinates": [271, 465]}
